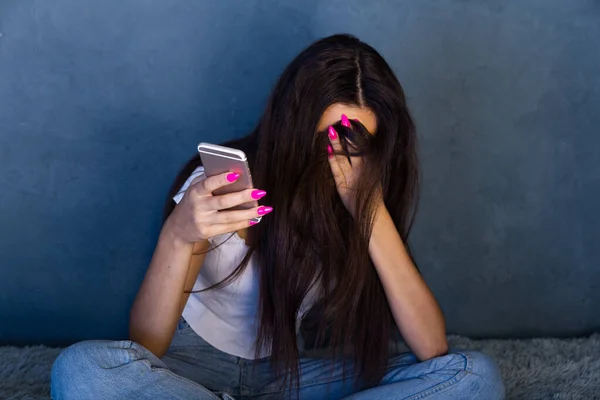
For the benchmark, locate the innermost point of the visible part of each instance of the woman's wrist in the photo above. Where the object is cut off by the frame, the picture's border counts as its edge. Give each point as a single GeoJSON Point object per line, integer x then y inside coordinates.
{"type": "Point", "coordinates": [381, 216]}
{"type": "Point", "coordinates": [172, 234]}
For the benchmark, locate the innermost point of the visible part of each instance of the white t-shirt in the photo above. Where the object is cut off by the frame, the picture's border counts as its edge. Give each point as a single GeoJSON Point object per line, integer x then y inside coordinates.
{"type": "Point", "coordinates": [226, 317]}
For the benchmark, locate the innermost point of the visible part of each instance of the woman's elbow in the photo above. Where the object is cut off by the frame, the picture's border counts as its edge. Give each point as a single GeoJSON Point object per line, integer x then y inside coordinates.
{"type": "Point", "coordinates": [153, 343]}
{"type": "Point", "coordinates": [432, 350]}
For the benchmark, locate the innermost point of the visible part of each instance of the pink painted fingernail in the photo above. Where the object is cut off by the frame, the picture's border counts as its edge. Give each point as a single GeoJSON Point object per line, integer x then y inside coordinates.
{"type": "Point", "coordinates": [263, 210]}
{"type": "Point", "coordinates": [356, 119]}
{"type": "Point", "coordinates": [252, 223]}
{"type": "Point", "coordinates": [258, 194]}
{"type": "Point", "coordinates": [345, 121]}
{"type": "Point", "coordinates": [332, 133]}
{"type": "Point", "coordinates": [232, 177]}
{"type": "Point", "coordinates": [329, 151]}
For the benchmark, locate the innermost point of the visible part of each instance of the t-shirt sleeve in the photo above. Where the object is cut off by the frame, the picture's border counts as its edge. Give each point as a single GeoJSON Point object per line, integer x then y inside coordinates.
{"type": "Point", "coordinates": [197, 173]}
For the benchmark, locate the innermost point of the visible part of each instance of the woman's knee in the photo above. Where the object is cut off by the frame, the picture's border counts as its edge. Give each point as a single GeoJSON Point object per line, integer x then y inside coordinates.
{"type": "Point", "coordinates": [92, 354]}
{"type": "Point", "coordinates": [82, 366]}
{"type": "Point", "coordinates": [484, 372]}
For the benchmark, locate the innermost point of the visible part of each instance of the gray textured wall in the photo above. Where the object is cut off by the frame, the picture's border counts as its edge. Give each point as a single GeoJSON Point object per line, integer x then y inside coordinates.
{"type": "Point", "coordinates": [101, 102]}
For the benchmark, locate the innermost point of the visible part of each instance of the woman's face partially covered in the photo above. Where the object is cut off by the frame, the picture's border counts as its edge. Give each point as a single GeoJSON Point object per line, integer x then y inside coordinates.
{"type": "Point", "coordinates": [334, 112]}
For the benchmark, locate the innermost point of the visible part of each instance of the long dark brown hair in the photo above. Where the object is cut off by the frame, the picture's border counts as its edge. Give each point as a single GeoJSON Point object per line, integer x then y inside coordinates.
{"type": "Point", "coordinates": [310, 240]}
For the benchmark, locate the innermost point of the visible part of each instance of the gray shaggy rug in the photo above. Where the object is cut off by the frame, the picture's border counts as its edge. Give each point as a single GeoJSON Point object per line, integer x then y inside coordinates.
{"type": "Point", "coordinates": [532, 369]}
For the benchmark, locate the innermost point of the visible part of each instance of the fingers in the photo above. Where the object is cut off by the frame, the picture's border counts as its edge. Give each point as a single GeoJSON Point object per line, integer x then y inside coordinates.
{"type": "Point", "coordinates": [337, 161]}
{"type": "Point", "coordinates": [231, 221]}
{"type": "Point", "coordinates": [338, 176]}
{"type": "Point", "coordinates": [220, 229]}
{"type": "Point", "coordinates": [198, 179]}
{"type": "Point", "coordinates": [230, 200]}
{"type": "Point", "coordinates": [210, 184]}
{"type": "Point", "coordinates": [346, 122]}
{"type": "Point", "coordinates": [214, 223]}
{"type": "Point", "coordinates": [235, 216]}
{"type": "Point", "coordinates": [343, 167]}
{"type": "Point", "coordinates": [334, 140]}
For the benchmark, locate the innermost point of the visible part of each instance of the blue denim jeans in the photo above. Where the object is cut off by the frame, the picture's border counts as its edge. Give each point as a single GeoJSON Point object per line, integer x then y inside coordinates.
{"type": "Point", "coordinates": [194, 370]}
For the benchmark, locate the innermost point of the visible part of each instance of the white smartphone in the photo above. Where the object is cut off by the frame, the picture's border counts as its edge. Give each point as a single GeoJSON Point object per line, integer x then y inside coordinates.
{"type": "Point", "coordinates": [220, 159]}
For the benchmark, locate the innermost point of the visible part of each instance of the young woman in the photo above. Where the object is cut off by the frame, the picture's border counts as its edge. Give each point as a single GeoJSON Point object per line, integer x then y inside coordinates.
{"type": "Point", "coordinates": [305, 303]}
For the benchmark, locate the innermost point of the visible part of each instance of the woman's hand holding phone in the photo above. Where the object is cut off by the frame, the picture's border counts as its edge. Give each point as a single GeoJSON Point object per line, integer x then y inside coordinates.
{"type": "Point", "coordinates": [201, 215]}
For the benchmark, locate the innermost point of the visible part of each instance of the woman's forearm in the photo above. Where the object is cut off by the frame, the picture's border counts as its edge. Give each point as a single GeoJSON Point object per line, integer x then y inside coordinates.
{"type": "Point", "coordinates": [415, 310]}
{"type": "Point", "coordinates": [160, 300]}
